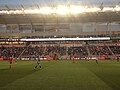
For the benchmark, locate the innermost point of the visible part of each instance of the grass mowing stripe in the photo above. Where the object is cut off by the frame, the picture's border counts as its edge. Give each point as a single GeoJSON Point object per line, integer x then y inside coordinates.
{"type": "Point", "coordinates": [100, 84]}
{"type": "Point", "coordinates": [21, 70]}
{"type": "Point", "coordinates": [7, 76]}
{"type": "Point", "coordinates": [62, 75]}
{"type": "Point", "coordinates": [108, 71]}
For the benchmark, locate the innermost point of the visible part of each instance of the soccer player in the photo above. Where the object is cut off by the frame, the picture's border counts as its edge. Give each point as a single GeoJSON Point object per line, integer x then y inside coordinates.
{"type": "Point", "coordinates": [10, 62]}
{"type": "Point", "coordinates": [118, 59]}
{"type": "Point", "coordinates": [96, 60]}
{"type": "Point", "coordinates": [38, 63]}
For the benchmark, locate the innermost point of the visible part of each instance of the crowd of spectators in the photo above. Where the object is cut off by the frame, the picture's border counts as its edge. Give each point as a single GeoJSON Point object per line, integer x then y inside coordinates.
{"type": "Point", "coordinates": [77, 51]}
{"type": "Point", "coordinates": [115, 49]}
{"type": "Point", "coordinates": [55, 49]}
{"type": "Point", "coordinates": [7, 52]}
{"type": "Point", "coordinates": [99, 50]}
{"type": "Point", "coordinates": [31, 51]}
{"type": "Point", "coordinates": [58, 51]}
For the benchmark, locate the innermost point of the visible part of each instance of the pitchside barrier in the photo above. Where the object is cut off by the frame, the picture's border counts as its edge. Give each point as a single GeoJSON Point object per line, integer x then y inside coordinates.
{"type": "Point", "coordinates": [42, 58]}
{"type": "Point", "coordinates": [1, 59]}
{"type": "Point", "coordinates": [50, 58]}
{"type": "Point", "coordinates": [91, 58]}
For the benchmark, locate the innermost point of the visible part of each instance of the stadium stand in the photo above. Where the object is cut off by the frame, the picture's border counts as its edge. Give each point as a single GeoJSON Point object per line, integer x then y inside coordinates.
{"type": "Point", "coordinates": [63, 50]}
{"type": "Point", "coordinates": [20, 22]}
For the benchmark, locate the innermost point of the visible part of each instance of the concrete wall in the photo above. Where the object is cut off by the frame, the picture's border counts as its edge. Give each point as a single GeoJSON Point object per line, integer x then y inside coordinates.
{"type": "Point", "coordinates": [74, 29]}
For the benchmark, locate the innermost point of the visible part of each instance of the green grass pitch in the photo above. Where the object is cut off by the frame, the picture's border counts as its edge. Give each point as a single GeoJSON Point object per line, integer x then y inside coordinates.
{"type": "Point", "coordinates": [60, 75]}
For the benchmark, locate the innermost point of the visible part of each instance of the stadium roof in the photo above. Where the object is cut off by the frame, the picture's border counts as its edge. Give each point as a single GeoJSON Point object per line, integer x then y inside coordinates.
{"type": "Point", "coordinates": [17, 12]}
{"type": "Point", "coordinates": [81, 18]}
{"type": "Point", "coordinates": [22, 18]}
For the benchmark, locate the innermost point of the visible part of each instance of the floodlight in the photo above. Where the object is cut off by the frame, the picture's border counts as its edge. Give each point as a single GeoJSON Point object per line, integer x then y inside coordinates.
{"type": "Point", "coordinates": [108, 9]}
{"type": "Point", "coordinates": [45, 10]}
{"type": "Point", "coordinates": [117, 8]}
{"type": "Point", "coordinates": [77, 9]}
{"type": "Point", "coordinates": [62, 10]}
{"type": "Point", "coordinates": [95, 9]}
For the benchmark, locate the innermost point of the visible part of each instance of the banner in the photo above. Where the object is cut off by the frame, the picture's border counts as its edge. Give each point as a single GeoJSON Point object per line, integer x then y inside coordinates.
{"type": "Point", "coordinates": [1, 59]}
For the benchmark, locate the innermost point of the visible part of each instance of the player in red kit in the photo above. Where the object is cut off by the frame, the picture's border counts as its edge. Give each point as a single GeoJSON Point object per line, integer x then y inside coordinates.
{"type": "Point", "coordinates": [10, 62]}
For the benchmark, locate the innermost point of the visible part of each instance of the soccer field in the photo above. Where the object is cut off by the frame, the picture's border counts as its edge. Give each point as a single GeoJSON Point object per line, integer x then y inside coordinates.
{"type": "Point", "coordinates": [60, 75]}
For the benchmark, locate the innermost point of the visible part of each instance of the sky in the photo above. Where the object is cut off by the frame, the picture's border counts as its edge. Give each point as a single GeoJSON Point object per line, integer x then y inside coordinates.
{"type": "Point", "coordinates": [14, 2]}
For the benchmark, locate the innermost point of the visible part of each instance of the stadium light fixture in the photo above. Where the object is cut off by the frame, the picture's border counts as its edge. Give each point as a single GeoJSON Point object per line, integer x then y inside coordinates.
{"type": "Point", "coordinates": [62, 10]}
{"type": "Point", "coordinates": [4, 12]}
{"type": "Point", "coordinates": [108, 9]}
{"type": "Point", "coordinates": [45, 10]}
{"type": "Point", "coordinates": [77, 9]}
{"type": "Point", "coordinates": [95, 9]}
{"type": "Point", "coordinates": [29, 11]}
{"type": "Point", "coordinates": [117, 8]}
{"type": "Point", "coordinates": [55, 36]}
